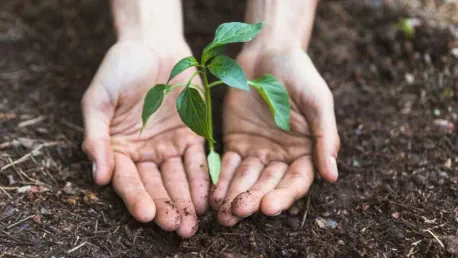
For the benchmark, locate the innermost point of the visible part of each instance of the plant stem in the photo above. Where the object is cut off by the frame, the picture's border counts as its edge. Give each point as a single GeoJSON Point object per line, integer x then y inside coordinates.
{"type": "Point", "coordinates": [192, 77]}
{"type": "Point", "coordinates": [213, 84]}
{"type": "Point", "coordinates": [208, 103]}
{"type": "Point", "coordinates": [183, 84]}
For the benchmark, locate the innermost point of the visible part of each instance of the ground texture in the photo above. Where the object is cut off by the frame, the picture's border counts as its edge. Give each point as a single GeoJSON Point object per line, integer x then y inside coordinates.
{"type": "Point", "coordinates": [396, 106]}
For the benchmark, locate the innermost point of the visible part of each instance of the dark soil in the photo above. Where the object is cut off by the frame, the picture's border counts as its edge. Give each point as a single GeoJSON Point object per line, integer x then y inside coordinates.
{"type": "Point", "coordinates": [396, 106]}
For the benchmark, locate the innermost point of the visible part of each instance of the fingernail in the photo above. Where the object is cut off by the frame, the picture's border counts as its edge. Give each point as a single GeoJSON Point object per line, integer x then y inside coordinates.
{"type": "Point", "coordinates": [94, 170]}
{"type": "Point", "coordinates": [276, 214]}
{"type": "Point", "coordinates": [333, 167]}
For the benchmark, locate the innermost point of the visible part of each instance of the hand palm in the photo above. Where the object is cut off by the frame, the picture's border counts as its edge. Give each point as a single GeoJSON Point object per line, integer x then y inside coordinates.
{"type": "Point", "coordinates": [249, 120]}
{"type": "Point", "coordinates": [161, 173]}
{"type": "Point", "coordinates": [264, 167]}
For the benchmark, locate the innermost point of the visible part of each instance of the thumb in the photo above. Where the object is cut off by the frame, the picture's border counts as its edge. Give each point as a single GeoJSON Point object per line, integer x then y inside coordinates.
{"type": "Point", "coordinates": [317, 104]}
{"type": "Point", "coordinates": [320, 115]}
{"type": "Point", "coordinates": [326, 140]}
{"type": "Point", "coordinates": [97, 109]}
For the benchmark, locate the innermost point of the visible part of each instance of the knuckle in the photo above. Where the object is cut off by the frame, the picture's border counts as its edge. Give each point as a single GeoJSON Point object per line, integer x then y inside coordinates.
{"type": "Point", "coordinates": [128, 184]}
{"type": "Point", "coordinates": [243, 171]}
{"type": "Point", "coordinates": [270, 175]}
{"type": "Point", "coordinates": [296, 175]}
{"type": "Point", "coordinates": [198, 180]}
{"type": "Point", "coordinates": [229, 160]}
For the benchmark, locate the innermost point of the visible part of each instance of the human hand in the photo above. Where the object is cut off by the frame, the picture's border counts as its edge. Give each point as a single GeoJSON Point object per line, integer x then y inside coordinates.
{"type": "Point", "coordinates": [263, 167]}
{"type": "Point", "coordinates": [160, 175]}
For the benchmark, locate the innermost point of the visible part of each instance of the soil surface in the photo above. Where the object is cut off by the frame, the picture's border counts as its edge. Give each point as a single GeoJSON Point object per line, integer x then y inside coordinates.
{"type": "Point", "coordinates": [397, 111]}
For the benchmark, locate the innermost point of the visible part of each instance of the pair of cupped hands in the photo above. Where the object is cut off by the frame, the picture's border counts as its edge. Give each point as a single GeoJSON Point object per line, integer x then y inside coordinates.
{"type": "Point", "coordinates": [162, 174]}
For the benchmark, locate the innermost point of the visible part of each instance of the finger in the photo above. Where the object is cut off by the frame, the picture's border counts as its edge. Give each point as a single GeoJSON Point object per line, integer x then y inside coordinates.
{"type": "Point", "coordinates": [175, 182]}
{"type": "Point", "coordinates": [249, 202]}
{"type": "Point", "coordinates": [128, 185]}
{"type": "Point", "coordinates": [97, 112]}
{"type": "Point", "coordinates": [167, 215]}
{"type": "Point", "coordinates": [317, 104]}
{"type": "Point", "coordinates": [327, 142]}
{"type": "Point", "coordinates": [245, 177]}
{"type": "Point", "coordinates": [197, 173]}
{"type": "Point", "coordinates": [293, 186]}
{"type": "Point", "coordinates": [229, 164]}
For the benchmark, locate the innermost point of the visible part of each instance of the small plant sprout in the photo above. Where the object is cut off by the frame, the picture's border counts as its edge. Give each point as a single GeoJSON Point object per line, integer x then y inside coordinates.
{"type": "Point", "coordinates": [407, 26]}
{"type": "Point", "coordinates": [194, 102]}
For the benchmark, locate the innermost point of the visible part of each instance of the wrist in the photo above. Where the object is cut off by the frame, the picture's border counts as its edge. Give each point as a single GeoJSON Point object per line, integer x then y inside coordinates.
{"type": "Point", "coordinates": [286, 25]}
{"type": "Point", "coordinates": [155, 22]}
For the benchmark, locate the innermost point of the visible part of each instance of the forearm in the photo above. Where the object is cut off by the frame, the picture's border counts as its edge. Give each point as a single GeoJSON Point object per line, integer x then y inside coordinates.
{"type": "Point", "coordinates": [287, 23]}
{"type": "Point", "coordinates": [148, 20]}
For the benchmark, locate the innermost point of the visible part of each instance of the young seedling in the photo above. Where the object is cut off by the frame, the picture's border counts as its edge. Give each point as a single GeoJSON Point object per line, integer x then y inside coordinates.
{"type": "Point", "coordinates": [195, 110]}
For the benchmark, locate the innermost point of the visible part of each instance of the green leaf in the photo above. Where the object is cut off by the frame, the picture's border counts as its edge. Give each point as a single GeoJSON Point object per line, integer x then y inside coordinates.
{"type": "Point", "coordinates": [276, 97]}
{"type": "Point", "coordinates": [214, 166]}
{"type": "Point", "coordinates": [210, 52]}
{"type": "Point", "coordinates": [406, 27]}
{"type": "Point", "coordinates": [228, 71]}
{"type": "Point", "coordinates": [232, 32]}
{"type": "Point", "coordinates": [182, 65]}
{"type": "Point", "coordinates": [448, 93]}
{"type": "Point", "coordinates": [192, 110]}
{"type": "Point", "coordinates": [153, 101]}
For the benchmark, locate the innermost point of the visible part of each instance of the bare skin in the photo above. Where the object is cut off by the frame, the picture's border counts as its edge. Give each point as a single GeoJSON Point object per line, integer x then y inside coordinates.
{"type": "Point", "coordinates": [265, 168]}
{"type": "Point", "coordinates": [161, 175]}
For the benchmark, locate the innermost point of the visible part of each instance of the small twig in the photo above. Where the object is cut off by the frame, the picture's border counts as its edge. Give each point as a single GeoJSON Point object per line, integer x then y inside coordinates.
{"type": "Point", "coordinates": [438, 240]}
{"type": "Point", "coordinates": [270, 237]}
{"type": "Point", "coordinates": [6, 145]}
{"type": "Point", "coordinates": [5, 192]}
{"type": "Point", "coordinates": [76, 247]}
{"type": "Point", "coordinates": [76, 241]}
{"type": "Point", "coordinates": [89, 243]}
{"type": "Point", "coordinates": [234, 234]}
{"type": "Point", "coordinates": [307, 206]}
{"type": "Point", "coordinates": [9, 188]}
{"type": "Point", "coordinates": [23, 158]}
{"type": "Point", "coordinates": [406, 206]}
{"type": "Point", "coordinates": [36, 120]}
{"type": "Point", "coordinates": [15, 255]}
{"type": "Point", "coordinates": [135, 235]}
{"type": "Point", "coordinates": [19, 222]}
{"type": "Point", "coordinates": [17, 171]}
{"type": "Point", "coordinates": [72, 126]}
{"type": "Point", "coordinates": [224, 248]}
{"type": "Point", "coordinates": [110, 235]}
{"type": "Point", "coordinates": [30, 154]}
{"type": "Point", "coordinates": [49, 175]}
{"type": "Point", "coordinates": [416, 243]}
{"type": "Point", "coordinates": [5, 217]}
